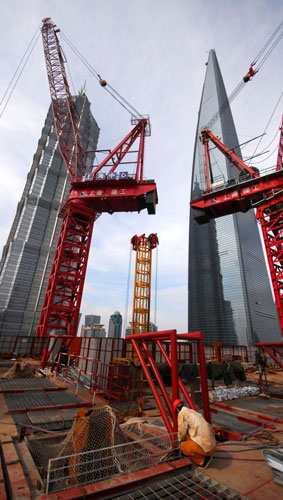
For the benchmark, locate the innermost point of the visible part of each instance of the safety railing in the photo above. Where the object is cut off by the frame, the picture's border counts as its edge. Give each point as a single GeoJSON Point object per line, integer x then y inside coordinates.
{"type": "Point", "coordinates": [79, 469]}
{"type": "Point", "coordinates": [113, 381]}
{"type": "Point", "coordinates": [14, 346]}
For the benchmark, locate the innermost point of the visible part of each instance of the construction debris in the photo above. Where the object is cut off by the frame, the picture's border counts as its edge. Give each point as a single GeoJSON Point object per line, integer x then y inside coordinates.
{"type": "Point", "coordinates": [222, 393]}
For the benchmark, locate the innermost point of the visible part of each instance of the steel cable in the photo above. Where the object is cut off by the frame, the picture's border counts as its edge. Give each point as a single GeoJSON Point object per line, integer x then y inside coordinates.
{"type": "Point", "coordinates": [115, 94]}
{"type": "Point", "coordinates": [27, 53]}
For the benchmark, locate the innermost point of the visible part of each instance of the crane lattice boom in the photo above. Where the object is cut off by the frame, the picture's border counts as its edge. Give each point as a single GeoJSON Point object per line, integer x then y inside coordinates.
{"type": "Point", "coordinates": [66, 118]}
{"type": "Point", "coordinates": [104, 190]}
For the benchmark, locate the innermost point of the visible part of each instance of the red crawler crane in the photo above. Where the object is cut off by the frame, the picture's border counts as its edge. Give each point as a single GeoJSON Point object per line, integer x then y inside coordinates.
{"type": "Point", "coordinates": [262, 192]}
{"type": "Point", "coordinates": [90, 195]}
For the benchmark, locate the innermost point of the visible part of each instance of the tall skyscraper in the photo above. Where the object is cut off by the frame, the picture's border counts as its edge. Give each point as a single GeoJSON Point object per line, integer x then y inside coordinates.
{"type": "Point", "coordinates": [115, 325]}
{"type": "Point", "coordinates": [28, 253]}
{"type": "Point", "coordinates": [230, 298]}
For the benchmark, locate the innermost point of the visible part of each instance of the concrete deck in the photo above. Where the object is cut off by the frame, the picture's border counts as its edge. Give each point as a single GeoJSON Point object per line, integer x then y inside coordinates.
{"type": "Point", "coordinates": [237, 465]}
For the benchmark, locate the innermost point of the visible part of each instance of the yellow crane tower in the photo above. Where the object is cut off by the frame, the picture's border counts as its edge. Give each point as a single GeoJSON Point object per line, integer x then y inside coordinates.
{"type": "Point", "coordinates": [141, 304]}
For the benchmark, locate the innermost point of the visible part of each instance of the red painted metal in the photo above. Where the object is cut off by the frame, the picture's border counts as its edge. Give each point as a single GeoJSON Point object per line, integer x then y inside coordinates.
{"type": "Point", "coordinates": [181, 384]}
{"type": "Point", "coordinates": [61, 305]}
{"type": "Point", "coordinates": [34, 389]}
{"type": "Point", "coordinates": [202, 368]}
{"type": "Point", "coordinates": [207, 136]}
{"type": "Point", "coordinates": [89, 196]}
{"type": "Point", "coordinates": [264, 193]}
{"type": "Point", "coordinates": [118, 154]}
{"type": "Point", "coordinates": [272, 230]}
{"type": "Point", "coordinates": [260, 416]}
{"type": "Point", "coordinates": [279, 164]}
{"type": "Point", "coordinates": [134, 339]}
{"type": "Point", "coordinates": [158, 378]}
{"type": "Point", "coordinates": [173, 337]}
{"type": "Point", "coordinates": [49, 407]}
{"type": "Point", "coordinates": [267, 348]}
{"type": "Point", "coordinates": [66, 119]}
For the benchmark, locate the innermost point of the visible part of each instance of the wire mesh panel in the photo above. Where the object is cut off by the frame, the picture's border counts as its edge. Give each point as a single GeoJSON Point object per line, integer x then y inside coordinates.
{"type": "Point", "coordinates": [97, 448]}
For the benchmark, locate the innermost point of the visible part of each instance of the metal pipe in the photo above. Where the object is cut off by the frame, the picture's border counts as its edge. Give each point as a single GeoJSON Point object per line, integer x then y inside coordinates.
{"type": "Point", "coordinates": [158, 377]}
{"type": "Point", "coordinates": [203, 379]}
{"type": "Point", "coordinates": [182, 386]}
{"type": "Point", "coordinates": [152, 386]}
{"type": "Point", "coordinates": [174, 373]}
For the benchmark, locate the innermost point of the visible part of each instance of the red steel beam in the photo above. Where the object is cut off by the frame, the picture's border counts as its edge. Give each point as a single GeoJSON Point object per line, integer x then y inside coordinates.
{"type": "Point", "coordinates": [239, 197]}
{"type": "Point", "coordinates": [264, 346]}
{"type": "Point", "coordinates": [161, 408]}
{"type": "Point", "coordinates": [158, 378]}
{"type": "Point", "coordinates": [203, 374]}
{"type": "Point", "coordinates": [181, 384]}
{"type": "Point", "coordinates": [33, 389]}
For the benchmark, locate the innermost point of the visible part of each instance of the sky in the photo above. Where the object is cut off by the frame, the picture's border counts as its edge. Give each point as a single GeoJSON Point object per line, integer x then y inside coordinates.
{"type": "Point", "coordinates": [153, 52]}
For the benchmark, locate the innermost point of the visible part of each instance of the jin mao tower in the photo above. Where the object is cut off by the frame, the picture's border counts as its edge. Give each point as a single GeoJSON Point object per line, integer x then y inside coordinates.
{"type": "Point", "coordinates": [28, 253]}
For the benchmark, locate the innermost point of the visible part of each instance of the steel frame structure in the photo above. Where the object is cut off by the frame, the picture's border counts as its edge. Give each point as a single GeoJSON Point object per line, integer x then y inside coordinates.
{"type": "Point", "coordinates": [90, 194]}
{"type": "Point", "coordinates": [143, 245]}
{"type": "Point", "coordinates": [164, 403]}
{"type": "Point", "coordinates": [263, 193]}
{"type": "Point", "coordinates": [274, 350]}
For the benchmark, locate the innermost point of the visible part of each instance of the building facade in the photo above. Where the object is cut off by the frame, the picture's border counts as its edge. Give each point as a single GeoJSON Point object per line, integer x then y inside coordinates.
{"type": "Point", "coordinates": [92, 319]}
{"type": "Point", "coordinates": [28, 253]}
{"type": "Point", "coordinates": [93, 331]}
{"type": "Point", "coordinates": [115, 325]}
{"type": "Point", "coordinates": [230, 298]}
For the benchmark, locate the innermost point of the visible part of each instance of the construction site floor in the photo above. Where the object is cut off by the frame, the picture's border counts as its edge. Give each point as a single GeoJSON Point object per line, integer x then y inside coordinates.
{"type": "Point", "coordinates": [237, 470]}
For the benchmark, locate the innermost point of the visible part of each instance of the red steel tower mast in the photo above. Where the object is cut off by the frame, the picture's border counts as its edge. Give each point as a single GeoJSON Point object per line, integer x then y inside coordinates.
{"type": "Point", "coordinates": [104, 190]}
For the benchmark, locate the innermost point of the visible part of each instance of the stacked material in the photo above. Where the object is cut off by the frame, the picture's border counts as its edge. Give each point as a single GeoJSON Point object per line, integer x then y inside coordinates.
{"type": "Point", "coordinates": [222, 393]}
{"type": "Point", "coordinates": [274, 458]}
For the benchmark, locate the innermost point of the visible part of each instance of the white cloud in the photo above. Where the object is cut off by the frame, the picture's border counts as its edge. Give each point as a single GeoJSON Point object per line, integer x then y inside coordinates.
{"type": "Point", "coordinates": [154, 53]}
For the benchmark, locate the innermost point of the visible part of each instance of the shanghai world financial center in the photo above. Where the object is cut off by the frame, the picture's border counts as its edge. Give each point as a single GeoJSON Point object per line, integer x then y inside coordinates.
{"type": "Point", "coordinates": [230, 297]}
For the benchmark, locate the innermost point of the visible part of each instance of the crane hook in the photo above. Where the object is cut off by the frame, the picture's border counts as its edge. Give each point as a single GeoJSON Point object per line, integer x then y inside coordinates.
{"type": "Point", "coordinates": [250, 73]}
{"type": "Point", "coordinates": [102, 82]}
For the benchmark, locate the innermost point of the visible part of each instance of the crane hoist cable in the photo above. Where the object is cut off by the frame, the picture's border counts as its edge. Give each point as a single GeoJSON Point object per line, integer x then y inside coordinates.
{"type": "Point", "coordinates": [114, 93]}
{"type": "Point", "coordinates": [272, 114]}
{"type": "Point", "coordinates": [128, 290]}
{"type": "Point", "coordinates": [156, 281]}
{"type": "Point", "coordinates": [19, 70]}
{"type": "Point", "coordinates": [259, 60]}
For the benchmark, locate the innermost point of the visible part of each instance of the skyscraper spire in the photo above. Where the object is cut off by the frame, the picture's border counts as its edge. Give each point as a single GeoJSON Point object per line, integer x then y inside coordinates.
{"type": "Point", "coordinates": [230, 298]}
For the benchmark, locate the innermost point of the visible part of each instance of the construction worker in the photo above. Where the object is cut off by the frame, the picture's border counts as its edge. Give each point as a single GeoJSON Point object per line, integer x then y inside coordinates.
{"type": "Point", "coordinates": [196, 436]}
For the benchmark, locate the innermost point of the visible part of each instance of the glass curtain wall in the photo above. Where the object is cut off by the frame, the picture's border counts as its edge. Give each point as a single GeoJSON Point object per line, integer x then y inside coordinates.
{"type": "Point", "coordinates": [230, 298]}
{"type": "Point", "coordinates": [28, 254]}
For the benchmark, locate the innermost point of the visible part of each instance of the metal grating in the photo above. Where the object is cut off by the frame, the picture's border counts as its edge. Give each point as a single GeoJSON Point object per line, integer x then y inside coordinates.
{"type": "Point", "coordinates": [273, 407]}
{"type": "Point", "coordinates": [35, 399]}
{"type": "Point", "coordinates": [193, 485]}
{"type": "Point", "coordinates": [230, 422]}
{"type": "Point", "coordinates": [25, 383]}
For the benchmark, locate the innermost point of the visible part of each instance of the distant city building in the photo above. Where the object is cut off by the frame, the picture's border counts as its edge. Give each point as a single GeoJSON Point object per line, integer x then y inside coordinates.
{"type": "Point", "coordinates": [115, 325]}
{"type": "Point", "coordinates": [28, 254]}
{"type": "Point", "coordinates": [94, 331]}
{"type": "Point", "coordinates": [230, 298]}
{"type": "Point", "coordinates": [92, 319]}
{"type": "Point", "coordinates": [152, 328]}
